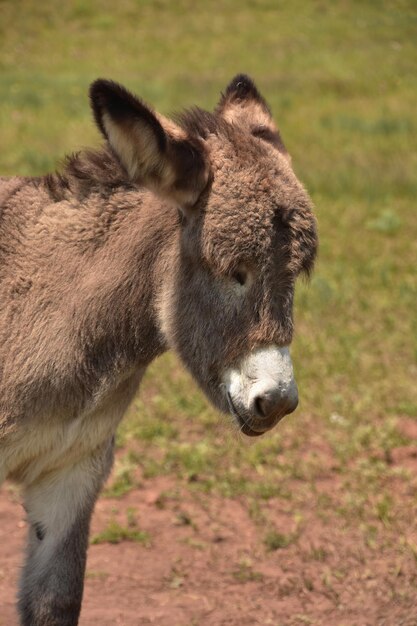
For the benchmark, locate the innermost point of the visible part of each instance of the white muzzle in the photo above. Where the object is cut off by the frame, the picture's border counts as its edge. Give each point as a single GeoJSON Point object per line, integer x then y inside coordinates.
{"type": "Point", "coordinates": [261, 389]}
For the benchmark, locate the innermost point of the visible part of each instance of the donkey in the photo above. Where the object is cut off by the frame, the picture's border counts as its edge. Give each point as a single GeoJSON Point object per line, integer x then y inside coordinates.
{"type": "Point", "coordinates": [185, 234]}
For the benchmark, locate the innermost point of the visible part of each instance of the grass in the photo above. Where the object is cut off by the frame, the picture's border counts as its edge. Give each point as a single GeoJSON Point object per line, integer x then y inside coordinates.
{"type": "Point", "coordinates": [341, 79]}
{"type": "Point", "coordinates": [116, 533]}
{"type": "Point", "coordinates": [275, 540]}
{"type": "Point", "coordinates": [244, 572]}
{"type": "Point", "coordinates": [122, 478]}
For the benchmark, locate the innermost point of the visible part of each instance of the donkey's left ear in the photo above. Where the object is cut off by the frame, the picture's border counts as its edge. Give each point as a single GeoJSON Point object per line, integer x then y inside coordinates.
{"type": "Point", "coordinates": [242, 104]}
{"type": "Point", "coordinates": [154, 151]}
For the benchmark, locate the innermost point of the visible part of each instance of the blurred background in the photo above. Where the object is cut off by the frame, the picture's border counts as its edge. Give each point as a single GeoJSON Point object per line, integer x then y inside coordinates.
{"type": "Point", "coordinates": [318, 517]}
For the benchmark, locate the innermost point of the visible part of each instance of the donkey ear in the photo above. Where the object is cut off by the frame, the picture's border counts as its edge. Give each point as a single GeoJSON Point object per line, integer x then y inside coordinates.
{"type": "Point", "coordinates": [154, 151]}
{"type": "Point", "coordinates": [242, 104]}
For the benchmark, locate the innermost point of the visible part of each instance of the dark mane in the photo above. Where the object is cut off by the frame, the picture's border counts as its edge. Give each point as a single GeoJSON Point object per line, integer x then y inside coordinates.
{"type": "Point", "coordinates": [201, 123]}
{"type": "Point", "coordinates": [89, 171]}
{"type": "Point", "coordinates": [196, 121]}
{"type": "Point", "coordinates": [85, 172]}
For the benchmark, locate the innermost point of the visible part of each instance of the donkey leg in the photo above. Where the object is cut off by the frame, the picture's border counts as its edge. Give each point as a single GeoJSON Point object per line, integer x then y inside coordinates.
{"type": "Point", "coordinates": [59, 508]}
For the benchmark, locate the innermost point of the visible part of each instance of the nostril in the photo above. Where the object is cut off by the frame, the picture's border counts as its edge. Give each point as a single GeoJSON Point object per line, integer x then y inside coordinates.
{"type": "Point", "coordinates": [292, 405]}
{"type": "Point", "coordinates": [266, 405]}
{"type": "Point", "coordinates": [260, 406]}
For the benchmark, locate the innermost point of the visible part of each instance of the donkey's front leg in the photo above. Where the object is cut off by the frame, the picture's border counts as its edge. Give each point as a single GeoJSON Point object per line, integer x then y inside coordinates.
{"type": "Point", "coordinates": [59, 508]}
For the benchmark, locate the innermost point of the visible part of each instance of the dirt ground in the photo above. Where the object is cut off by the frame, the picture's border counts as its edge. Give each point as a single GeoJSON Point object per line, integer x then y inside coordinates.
{"type": "Point", "coordinates": [206, 564]}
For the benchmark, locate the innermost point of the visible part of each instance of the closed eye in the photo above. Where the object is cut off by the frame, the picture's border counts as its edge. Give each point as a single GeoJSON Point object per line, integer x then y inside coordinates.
{"type": "Point", "coordinates": [240, 276]}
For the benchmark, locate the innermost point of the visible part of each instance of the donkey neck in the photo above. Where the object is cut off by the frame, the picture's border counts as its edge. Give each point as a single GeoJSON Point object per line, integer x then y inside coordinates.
{"type": "Point", "coordinates": [117, 241]}
{"type": "Point", "coordinates": [113, 243]}
{"type": "Point", "coordinates": [130, 267]}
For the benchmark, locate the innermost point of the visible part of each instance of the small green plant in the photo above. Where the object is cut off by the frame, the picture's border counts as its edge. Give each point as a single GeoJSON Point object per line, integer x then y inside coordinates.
{"type": "Point", "coordinates": [245, 573]}
{"type": "Point", "coordinates": [116, 533]}
{"type": "Point", "coordinates": [123, 480]}
{"type": "Point", "coordinates": [383, 508]}
{"type": "Point", "coordinates": [275, 540]}
{"type": "Point", "coordinates": [184, 519]}
{"type": "Point", "coordinates": [318, 553]}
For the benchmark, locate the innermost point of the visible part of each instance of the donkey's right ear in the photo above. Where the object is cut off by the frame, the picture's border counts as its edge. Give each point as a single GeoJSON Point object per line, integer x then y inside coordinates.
{"type": "Point", "coordinates": [153, 150]}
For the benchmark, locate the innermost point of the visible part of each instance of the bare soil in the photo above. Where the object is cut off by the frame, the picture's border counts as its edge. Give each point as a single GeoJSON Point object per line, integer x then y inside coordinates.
{"type": "Point", "coordinates": [207, 562]}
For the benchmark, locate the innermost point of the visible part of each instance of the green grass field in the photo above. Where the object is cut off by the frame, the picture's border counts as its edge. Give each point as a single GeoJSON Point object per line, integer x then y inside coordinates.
{"type": "Point", "coordinates": [341, 79]}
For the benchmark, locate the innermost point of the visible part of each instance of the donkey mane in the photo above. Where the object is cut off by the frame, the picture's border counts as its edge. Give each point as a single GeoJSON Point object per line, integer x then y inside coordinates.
{"type": "Point", "coordinates": [85, 172]}
{"type": "Point", "coordinates": [100, 171]}
{"type": "Point", "coordinates": [202, 123]}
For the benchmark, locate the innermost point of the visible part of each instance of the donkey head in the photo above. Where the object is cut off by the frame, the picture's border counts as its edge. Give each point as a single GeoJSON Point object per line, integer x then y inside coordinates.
{"type": "Point", "coordinates": [245, 232]}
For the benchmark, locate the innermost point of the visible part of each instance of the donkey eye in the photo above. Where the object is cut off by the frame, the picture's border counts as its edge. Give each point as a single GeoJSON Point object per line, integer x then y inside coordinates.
{"type": "Point", "coordinates": [240, 276]}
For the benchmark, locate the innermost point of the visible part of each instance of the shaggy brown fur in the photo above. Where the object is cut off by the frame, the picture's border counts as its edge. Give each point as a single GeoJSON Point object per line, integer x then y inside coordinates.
{"type": "Point", "coordinates": [142, 246]}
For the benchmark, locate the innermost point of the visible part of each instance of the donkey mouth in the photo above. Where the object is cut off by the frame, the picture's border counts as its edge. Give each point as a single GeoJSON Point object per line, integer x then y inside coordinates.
{"type": "Point", "coordinates": [243, 424]}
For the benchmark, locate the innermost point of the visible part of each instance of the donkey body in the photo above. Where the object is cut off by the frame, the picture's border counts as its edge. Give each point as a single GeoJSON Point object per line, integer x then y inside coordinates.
{"type": "Point", "coordinates": [186, 235]}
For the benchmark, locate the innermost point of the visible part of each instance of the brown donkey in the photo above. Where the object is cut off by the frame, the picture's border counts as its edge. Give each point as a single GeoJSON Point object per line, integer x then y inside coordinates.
{"type": "Point", "coordinates": [186, 235]}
